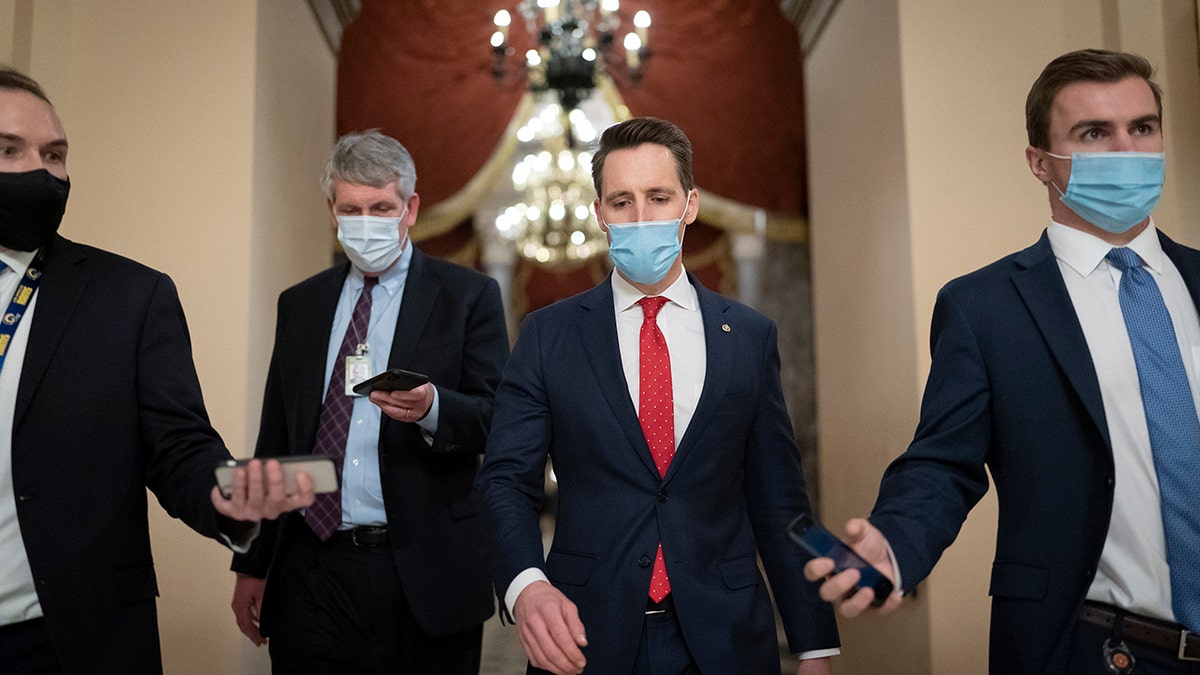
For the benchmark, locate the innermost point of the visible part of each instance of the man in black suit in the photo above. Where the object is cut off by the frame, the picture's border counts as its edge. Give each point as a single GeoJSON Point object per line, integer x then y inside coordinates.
{"type": "Point", "coordinates": [99, 400]}
{"type": "Point", "coordinates": [1055, 369]}
{"type": "Point", "coordinates": [391, 575]}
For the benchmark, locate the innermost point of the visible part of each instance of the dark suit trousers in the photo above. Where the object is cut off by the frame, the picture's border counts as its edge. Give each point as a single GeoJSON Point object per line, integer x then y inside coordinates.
{"type": "Point", "coordinates": [662, 650]}
{"type": "Point", "coordinates": [340, 609]}
{"type": "Point", "coordinates": [25, 647]}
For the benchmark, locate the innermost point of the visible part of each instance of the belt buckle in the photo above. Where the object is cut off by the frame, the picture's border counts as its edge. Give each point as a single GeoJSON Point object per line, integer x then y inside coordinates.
{"type": "Point", "coordinates": [1183, 645]}
{"type": "Point", "coordinates": [354, 537]}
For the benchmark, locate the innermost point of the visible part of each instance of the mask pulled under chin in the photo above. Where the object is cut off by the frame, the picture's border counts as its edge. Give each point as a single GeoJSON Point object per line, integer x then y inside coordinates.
{"type": "Point", "coordinates": [32, 204]}
{"type": "Point", "coordinates": [372, 243]}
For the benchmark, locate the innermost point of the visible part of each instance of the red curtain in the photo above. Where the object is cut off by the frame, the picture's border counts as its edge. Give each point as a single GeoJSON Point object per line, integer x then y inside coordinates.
{"type": "Point", "coordinates": [728, 72]}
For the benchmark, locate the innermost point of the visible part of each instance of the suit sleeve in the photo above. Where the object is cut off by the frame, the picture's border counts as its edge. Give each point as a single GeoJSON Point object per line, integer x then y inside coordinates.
{"type": "Point", "coordinates": [183, 448]}
{"type": "Point", "coordinates": [927, 492]}
{"type": "Point", "coordinates": [775, 494]}
{"type": "Point", "coordinates": [512, 480]}
{"type": "Point", "coordinates": [466, 408]}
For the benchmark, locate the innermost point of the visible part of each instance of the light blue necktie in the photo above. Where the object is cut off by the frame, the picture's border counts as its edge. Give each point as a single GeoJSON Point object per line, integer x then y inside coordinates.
{"type": "Point", "coordinates": [1174, 427]}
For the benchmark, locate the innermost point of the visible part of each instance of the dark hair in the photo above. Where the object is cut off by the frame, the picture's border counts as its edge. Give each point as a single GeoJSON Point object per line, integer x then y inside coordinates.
{"type": "Point", "coordinates": [1085, 65]}
{"type": "Point", "coordinates": [14, 80]}
{"type": "Point", "coordinates": [638, 131]}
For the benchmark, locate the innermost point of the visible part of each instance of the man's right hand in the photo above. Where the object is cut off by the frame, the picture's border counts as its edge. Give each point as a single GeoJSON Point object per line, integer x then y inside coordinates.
{"type": "Point", "coordinates": [247, 603]}
{"type": "Point", "coordinates": [550, 629]}
{"type": "Point", "coordinates": [840, 589]}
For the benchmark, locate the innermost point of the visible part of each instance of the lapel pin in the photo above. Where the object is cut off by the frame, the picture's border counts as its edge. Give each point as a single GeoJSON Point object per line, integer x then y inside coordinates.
{"type": "Point", "coordinates": [725, 327]}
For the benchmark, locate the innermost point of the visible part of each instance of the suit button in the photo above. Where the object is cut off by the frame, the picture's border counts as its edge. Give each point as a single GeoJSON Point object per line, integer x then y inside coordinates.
{"type": "Point", "coordinates": [24, 498]}
{"type": "Point", "coordinates": [1109, 481]}
{"type": "Point", "coordinates": [645, 561]}
{"type": "Point", "coordinates": [662, 496]}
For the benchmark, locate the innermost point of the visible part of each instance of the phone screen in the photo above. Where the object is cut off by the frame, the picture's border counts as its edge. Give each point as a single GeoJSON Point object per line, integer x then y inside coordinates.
{"type": "Point", "coordinates": [821, 543]}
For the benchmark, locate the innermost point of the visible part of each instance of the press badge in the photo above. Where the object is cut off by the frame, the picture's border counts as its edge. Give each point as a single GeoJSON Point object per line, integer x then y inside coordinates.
{"type": "Point", "coordinates": [358, 369]}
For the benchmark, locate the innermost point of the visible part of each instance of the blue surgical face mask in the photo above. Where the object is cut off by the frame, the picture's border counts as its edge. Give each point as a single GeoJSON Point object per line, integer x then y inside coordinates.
{"type": "Point", "coordinates": [372, 243]}
{"type": "Point", "coordinates": [645, 250]}
{"type": "Point", "coordinates": [1113, 190]}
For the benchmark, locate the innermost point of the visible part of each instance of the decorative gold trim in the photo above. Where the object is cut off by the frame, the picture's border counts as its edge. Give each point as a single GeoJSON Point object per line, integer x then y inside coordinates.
{"type": "Point", "coordinates": [739, 218]}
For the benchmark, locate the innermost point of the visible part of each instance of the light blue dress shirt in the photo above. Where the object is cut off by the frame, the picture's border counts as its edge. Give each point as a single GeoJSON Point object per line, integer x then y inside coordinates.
{"type": "Point", "coordinates": [362, 491]}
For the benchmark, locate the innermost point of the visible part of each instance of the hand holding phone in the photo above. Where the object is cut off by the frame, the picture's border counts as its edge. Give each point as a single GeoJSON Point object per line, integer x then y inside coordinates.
{"type": "Point", "coordinates": [319, 467]}
{"type": "Point", "coordinates": [391, 380]}
{"type": "Point", "coordinates": [821, 543]}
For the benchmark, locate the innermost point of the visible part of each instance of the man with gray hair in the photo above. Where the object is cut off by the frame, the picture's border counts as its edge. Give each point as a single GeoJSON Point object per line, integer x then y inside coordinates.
{"type": "Point", "coordinates": [389, 573]}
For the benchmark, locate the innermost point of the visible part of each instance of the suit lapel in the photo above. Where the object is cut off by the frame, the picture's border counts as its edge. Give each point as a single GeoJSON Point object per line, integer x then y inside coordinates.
{"type": "Point", "coordinates": [720, 348]}
{"type": "Point", "coordinates": [312, 352]}
{"type": "Point", "coordinates": [1187, 261]}
{"type": "Point", "coordinates": [416, 306]}
{"type": "Point", "coordinates": [1039, 282]}
{"type": "Point", "coordinates": [597, 326]}
{"type": "Point", "coordinates": [64, 277]}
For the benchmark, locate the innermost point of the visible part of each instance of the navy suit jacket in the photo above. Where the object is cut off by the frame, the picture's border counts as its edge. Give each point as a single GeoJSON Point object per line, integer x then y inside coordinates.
{"type": "Point", "coordinates": [730, 492]}
{"type": "Point", "coordinates": [450, 327]}
{"type": "Point", "coordinates": [108, 405]}
{"type": "Point", "coordinates": [1012, 387]}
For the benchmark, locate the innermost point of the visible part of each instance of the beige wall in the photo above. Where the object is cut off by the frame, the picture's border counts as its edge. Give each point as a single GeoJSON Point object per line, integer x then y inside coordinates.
{"type": "Point", "coordinates": [197, 134]}
{"type": "Point", "coordinates": [916, 137]}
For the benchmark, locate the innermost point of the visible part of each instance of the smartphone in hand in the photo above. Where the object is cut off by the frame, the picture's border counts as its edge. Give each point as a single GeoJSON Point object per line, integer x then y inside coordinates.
{"type": "Point", "coordinates": [821, 543]}
{"type": "Point", "coordinates": [391, 380]}
{"type": "Point", "coordinates": [318, 467]}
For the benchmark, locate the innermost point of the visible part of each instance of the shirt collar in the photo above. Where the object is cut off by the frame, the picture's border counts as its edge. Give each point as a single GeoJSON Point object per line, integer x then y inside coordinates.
{"type": "Point", "coordinates": [1084, 252]}
{"type": "Point", "coordinates": [393, 278]}
{"type": "Point", "coordinates": [681, 293]}
{"type": "Point", "coordinates": [16, 260]}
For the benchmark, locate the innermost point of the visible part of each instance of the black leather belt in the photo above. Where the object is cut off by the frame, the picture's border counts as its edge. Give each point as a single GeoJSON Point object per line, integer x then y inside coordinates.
{"type": "Point", "coordinates": [1162, 635]}
{"type": "Point", "coordinates": [364, 537]}
{"type": "Point", "coordinates": [663, 606]}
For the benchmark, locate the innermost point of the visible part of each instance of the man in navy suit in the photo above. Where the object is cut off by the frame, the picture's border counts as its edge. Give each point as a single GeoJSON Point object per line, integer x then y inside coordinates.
{"type": "Point", "coordinates": [1038, 375]}
{"type": "Point", "coordinates": [99, 400]}
{"type": "Point", "coordinates": [660, 405]}
{"type": "Point", "coordinates": [394, 579]}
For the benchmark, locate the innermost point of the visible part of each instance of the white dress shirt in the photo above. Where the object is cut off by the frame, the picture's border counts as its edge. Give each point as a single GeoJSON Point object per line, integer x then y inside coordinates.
{"type": "Point", "coordinates": [18, 596]}
{"type": "Point", "coordinates": [1133, 572]}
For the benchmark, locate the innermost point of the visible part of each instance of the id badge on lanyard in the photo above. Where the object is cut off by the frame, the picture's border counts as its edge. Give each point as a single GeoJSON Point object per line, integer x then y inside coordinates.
{"type": "Point", "coordinates": [358, 368]}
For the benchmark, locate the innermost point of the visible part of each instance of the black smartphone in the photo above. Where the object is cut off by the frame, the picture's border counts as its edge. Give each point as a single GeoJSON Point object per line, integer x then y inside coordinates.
{"type": "Point", "coordinates": [820, 543]}
{"type": "Point", "coordinates": [391, 380]}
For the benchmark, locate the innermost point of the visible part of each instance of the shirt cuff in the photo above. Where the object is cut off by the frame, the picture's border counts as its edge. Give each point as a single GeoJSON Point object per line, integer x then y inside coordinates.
{"type": "Point", "coordinates": [237, 534]}
{"type": "Point", "coordinates": [897, 582]}
{"type": "Point", "coordinates": [520, 583]}
{"type": "Point", "coordinates": [819, 653]}
{"type": "Point", "coordinates": [429, 423]}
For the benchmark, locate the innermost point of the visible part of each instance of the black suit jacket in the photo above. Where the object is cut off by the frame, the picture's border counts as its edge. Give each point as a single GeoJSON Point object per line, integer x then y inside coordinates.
{"type": "Point", "coordinates": [451, 327]}
{"type": "Point", "coordinates": [108, 405]}
{"type": "Point", "coordinates": [1012, 387]}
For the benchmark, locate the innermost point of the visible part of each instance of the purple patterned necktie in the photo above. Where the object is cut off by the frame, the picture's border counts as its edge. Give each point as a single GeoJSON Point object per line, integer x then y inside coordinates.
{"type": "Point", "coordinates": [325, 514]}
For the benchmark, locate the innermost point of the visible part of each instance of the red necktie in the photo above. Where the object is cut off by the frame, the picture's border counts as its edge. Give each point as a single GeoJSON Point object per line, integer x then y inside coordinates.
{"type": "Point", "coordinates": [325, 514]}
{"type": "Point", "coordinates": [656, 412]}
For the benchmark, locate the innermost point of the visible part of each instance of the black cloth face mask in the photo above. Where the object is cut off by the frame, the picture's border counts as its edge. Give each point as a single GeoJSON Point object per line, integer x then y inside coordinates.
{"type": "Point", "coordinates": [32, 204]}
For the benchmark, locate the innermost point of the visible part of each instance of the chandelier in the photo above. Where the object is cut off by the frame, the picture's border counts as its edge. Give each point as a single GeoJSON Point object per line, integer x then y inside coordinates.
{"type": "Point", "coordinates": [574, 42]}
{"type": "Point", "coordinates": [547, 218]}
{"type": "Point", "coordinates": [546, 215]}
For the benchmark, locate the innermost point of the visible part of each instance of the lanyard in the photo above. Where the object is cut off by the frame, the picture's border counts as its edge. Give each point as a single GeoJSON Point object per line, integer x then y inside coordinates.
{"type": "Point", "coordinates": [16, 308]}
